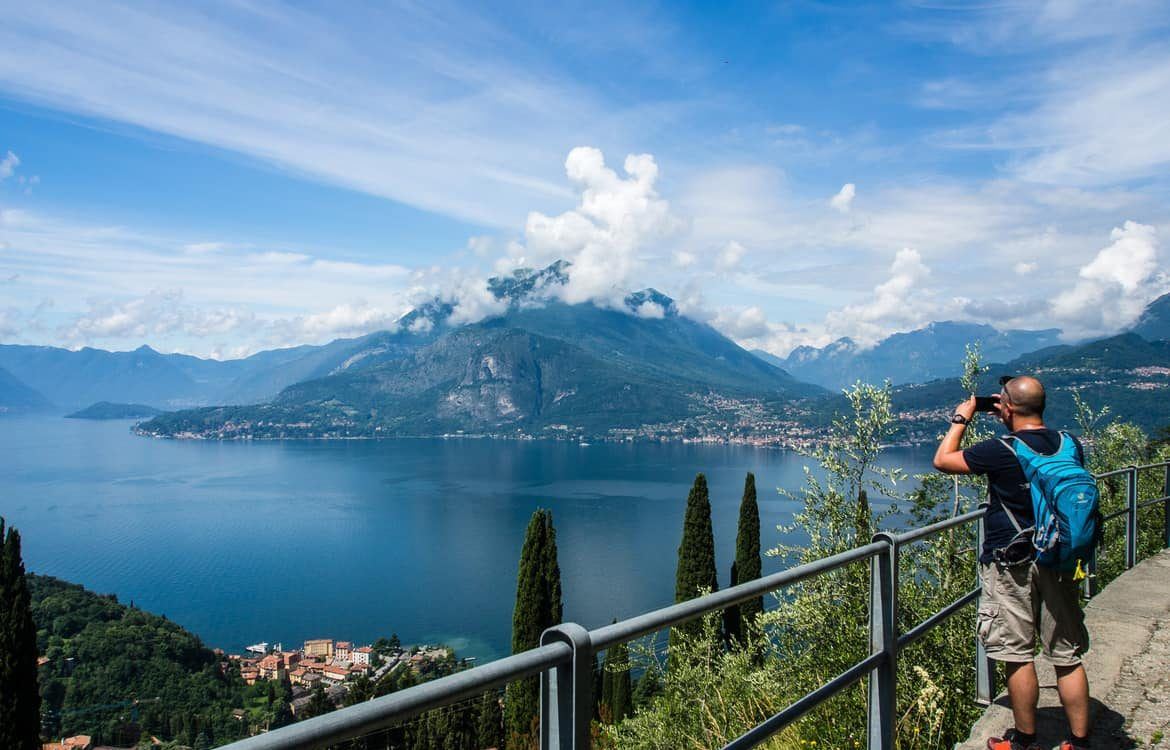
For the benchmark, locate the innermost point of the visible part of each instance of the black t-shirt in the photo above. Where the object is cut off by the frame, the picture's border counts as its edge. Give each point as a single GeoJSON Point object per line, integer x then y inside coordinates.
{"type": "Point", "coordinates": [1007, 485]}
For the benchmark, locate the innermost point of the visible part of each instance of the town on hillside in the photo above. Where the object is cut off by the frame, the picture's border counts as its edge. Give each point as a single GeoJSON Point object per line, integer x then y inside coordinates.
{"type": "Point", "coordinates": [334, 664]}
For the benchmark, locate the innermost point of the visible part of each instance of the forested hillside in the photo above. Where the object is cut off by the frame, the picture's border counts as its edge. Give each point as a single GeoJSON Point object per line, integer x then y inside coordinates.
{"type": "Point", "coordinates": [103, 656]}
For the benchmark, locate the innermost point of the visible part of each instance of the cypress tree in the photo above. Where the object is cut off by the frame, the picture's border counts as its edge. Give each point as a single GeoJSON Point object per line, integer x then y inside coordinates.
{"type": "Point", "coordinates": [619, 698]}
{"type": "Point", "coordinates": [490, 724]}
{"type": "Point", "coordinates": [696, 553]}
{"type": "Point", "coordinates": [20, 703]}
{"type": "Point", "coordinates": [747, 565]}
{"type": "Point", "coordinates": [538, 607]}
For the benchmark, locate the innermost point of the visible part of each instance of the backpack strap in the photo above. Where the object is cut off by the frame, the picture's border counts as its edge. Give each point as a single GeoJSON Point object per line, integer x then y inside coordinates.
{"type": "Point", "coordinates": [1004, 441]}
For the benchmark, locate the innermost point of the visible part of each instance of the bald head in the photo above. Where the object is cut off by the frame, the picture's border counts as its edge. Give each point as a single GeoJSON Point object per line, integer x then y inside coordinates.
{"type": "Point", "coordinates": [1026, 396]}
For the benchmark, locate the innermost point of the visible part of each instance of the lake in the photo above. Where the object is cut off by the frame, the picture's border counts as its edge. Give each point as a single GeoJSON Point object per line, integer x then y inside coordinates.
{"type": "Point", "coordinates": [281, 541]}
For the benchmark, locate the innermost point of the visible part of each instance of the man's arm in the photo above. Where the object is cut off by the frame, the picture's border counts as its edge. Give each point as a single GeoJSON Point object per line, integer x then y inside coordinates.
{"type": "Point", "coordinates": [949, 456]}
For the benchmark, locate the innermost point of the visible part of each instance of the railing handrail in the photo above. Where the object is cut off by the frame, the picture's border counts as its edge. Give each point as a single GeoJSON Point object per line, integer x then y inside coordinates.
{"type": "Point", "coordinates": [390, 710]}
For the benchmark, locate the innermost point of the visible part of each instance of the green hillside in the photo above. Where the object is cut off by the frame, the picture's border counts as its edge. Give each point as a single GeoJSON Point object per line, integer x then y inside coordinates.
{"type": "Point", "coordinates": [108, 410]}
{"type": "Point", "coordinates": [103, 655]}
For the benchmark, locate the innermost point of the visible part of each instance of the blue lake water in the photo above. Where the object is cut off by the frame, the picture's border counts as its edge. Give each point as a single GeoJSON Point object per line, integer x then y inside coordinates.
{"type": "Point", "coordinates": [282, 541]}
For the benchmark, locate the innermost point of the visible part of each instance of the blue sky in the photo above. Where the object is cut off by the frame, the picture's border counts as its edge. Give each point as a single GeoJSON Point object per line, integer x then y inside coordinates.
{"type": "Point", "coordinates": [232, 176]}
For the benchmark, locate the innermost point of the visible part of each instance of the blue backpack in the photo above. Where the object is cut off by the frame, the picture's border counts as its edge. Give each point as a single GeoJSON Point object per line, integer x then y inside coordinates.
{"type": "Point", "coordinates": [1065, 504]}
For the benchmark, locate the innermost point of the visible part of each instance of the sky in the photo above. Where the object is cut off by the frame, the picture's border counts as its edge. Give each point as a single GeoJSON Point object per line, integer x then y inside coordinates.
{"type": "Point", "coordinates": [224, 177]}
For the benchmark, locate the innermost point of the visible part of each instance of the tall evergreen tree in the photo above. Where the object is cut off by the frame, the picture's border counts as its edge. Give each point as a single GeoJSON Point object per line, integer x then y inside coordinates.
{"type": "Point", "coordinates": [696, 553]}
{"type": "Point", "coordinates": [617, 690]}
{"type": "Point", "coordinates": [538, 607]}
{"type": "Point", "coordinates": [490, 722]}
{"type": "Point", "coordinates": [20, 703]}
{"type": "Point", "coordinates": [747, 565]}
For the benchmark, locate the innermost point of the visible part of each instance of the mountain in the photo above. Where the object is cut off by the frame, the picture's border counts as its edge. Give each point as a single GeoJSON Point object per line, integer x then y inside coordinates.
{"type": "Point", "coordinates": [107, 410]}
{"type": "Point", "coordinates": [542, 368]}
{"type": "Point", "coordinates": [1126, 372]}
{"type": "Point", "coordinates": [1154, 324]}
{"type": "Point", "coordinates": [73, 379]}
{"type": "Point", "coordinates": [17, 396]}
{"type": "Point", "coordinates": [914, 357]}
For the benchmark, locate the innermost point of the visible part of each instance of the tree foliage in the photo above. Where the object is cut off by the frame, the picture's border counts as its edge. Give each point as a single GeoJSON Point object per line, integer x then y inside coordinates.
{"type": "Point", "coordinates": [19, 700]}
{"type": "Point", "coordinates": [538, 607]}
{"type": "Point", "coordinates": [696, 552]}
{"type": "Point", "coordinates": [747, 565]}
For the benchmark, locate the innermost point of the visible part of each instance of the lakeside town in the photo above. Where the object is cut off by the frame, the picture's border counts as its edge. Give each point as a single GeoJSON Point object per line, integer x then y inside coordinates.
{"type": "Point", "coordinates": [320, 667]}
{"type": "Point", "coordinates": [334, 665]}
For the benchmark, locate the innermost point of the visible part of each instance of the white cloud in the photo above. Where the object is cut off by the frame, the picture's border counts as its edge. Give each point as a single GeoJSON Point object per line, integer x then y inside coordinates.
{"type": "Point", "coordinates": [898, 303]}
{"type": "Point", "coordinates": [1024, 268]}
{"type": "Point", "coordinates": [8, 165]}
{"type": "Point", "coordinates": [158, 313]}
{"type": "Point", "coordinates": [683, 259]}
{"type": "Point", "coordinates": [345, 320]}
{"type": "Point", "coordinates": [1114, 288]}
{"type": "Point", "coordinates": [615, 219]}
{"type": "Point", "coordinates": [650, 309]}
{"type": "Point", "coordinates": [407, 102]}
{"type": "Point", "coordinates": [843, 200]}
{"type": "Point", "coordinates": [729, 256]}
{"type": "Point", "coordinates": [473, 301]}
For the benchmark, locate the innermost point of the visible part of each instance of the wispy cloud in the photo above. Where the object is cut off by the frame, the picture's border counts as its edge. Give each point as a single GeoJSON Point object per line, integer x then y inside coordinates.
{"type": "Point", "coordinates": [412, 104]}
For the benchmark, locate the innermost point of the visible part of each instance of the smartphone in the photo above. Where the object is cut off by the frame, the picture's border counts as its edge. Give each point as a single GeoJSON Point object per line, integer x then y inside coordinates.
{"type": "Point", "coordinates": [986, 403]}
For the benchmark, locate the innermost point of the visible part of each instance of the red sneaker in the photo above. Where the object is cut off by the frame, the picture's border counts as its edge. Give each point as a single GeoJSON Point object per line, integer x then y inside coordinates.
{"type": "Point", "coordinates": [1008, 742]}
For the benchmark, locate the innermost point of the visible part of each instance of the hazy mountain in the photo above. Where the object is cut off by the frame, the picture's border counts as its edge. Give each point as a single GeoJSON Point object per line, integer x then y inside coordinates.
{"type": "Point", "coordinates": [73, 379]}
{"type": "Point", "coordinates": [914, 357]}
{"type": "Point", "coordinates": [1154, 324]}
{"type": "Point", "coordinates": [1126, 372]}
{"type": "Point", "coordinates": [543, 367]}
{"type": "Point", "coordinates": [17, 396]}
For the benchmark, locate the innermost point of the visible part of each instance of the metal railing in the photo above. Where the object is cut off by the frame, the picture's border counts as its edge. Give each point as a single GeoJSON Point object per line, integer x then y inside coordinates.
{"type": "Point", "coordinates": [564, 659]}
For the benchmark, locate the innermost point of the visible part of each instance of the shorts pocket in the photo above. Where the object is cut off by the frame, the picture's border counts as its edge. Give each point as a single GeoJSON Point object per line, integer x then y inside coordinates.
{"type": "Point", "coordinates": [985, 620]}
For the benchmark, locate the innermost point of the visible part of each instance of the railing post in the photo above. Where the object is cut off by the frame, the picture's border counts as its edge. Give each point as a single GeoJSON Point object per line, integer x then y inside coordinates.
{"type": "Point", "coordinates": [1131, 526]}
{"type": "Point", "coordinates": [566, 692]}
{"type": "Point", "coordinates": [1166, 506]}
{"type": "Point", "coordinates": [883, 638]}
{"type": "Point", "coordinates": [984, 667]}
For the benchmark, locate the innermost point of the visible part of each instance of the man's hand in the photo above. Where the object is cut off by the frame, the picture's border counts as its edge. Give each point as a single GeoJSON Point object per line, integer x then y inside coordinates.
{"type": "Point", "coordinates": [966, 409]}
{"type": "Point", "coordinates": [949, 456]}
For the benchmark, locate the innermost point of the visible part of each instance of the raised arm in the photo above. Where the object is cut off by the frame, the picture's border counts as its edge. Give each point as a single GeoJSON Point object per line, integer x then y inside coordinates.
{"type": "Point", "coordinates": [949, 456]}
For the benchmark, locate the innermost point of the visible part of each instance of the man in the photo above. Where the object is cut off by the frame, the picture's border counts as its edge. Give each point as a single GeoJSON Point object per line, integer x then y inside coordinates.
{"type": "Point", "coordinates": [1022, 599]}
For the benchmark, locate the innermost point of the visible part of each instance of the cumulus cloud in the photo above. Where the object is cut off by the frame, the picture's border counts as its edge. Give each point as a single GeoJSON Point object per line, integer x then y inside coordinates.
{"type": "Point", "coordinates": [750, 323]}
{"type": "Point", "coordinates": [1024, 268]}
{"type": "Point", "coordinates": [898, 303]}
{"type": "Point", "coordinates": [615, 218]}
{"type": "Point", "coordinates": [683, 259]}
{"type": "Point", "coordinates": [650, 309]}
{"type": "Point", "coordinates": [157, 313]}
{"type": "Point", "coordinates": [1112, 290]}
{"type": "Point", "coordinates": [473, 301]}
{"type": "Point", "coordinates": [843, 200]}
{"type": "Point", "coordinates": [345, 320]}
{"type": "Point", "coordinates": [729, 256]}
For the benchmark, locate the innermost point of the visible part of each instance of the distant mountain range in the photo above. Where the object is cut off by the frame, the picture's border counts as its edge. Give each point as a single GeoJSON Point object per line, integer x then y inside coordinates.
{"type": "Point", "coordinates": [546, 368]}
{"type": "Point", "coordinates": [18, 396]}
{"type": "Point", "coordinates": [1126, 372]}
{"type": "Point", "coordinates": [542, 368]}
{"type": "Point", "coordinates": [914, 357]}
{"type": "Point", "coordinates": [74, 379]}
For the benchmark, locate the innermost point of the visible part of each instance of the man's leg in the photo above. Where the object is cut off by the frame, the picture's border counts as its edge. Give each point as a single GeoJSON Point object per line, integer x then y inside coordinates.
{"type": "Point", "coordinates": [1024, 692]}
{"type": "Point", "coordinates": [1073, 685]}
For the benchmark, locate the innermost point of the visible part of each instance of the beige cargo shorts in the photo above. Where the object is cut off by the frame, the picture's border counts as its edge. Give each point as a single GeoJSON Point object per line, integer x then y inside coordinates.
{"type": "Point", "coordinates": [1025, 600]}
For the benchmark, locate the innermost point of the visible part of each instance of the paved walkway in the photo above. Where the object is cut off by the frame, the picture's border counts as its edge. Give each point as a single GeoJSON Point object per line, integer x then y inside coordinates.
{"type": "Point", "coordinates": [1128, 666]}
